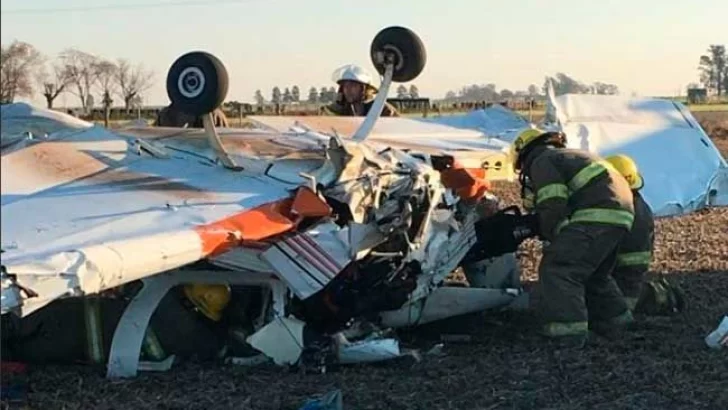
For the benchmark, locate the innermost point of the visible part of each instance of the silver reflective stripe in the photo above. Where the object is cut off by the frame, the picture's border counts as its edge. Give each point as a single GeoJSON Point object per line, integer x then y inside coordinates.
{"type": "Point", "coordinates": [586, 174]}
{"type": "Point", "coordinates": [566, 328]}
{"type": "Point", "coordinates": [618, 217]}
{"type": "Point", "coordinates": [634, 258]}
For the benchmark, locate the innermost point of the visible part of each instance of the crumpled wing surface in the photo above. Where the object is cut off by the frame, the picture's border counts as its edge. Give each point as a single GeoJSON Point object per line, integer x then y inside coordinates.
{"type": "Point", "coordinates": [472, 148]}
{"type": "Point", "coordinates": [89, 210]}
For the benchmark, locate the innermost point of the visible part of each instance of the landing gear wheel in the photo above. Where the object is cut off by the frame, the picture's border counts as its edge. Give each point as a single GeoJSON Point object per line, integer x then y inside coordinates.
{"type": "Point", "coordinates": [405, 49]}
{"type": "Point", "coordinates": [197, 83]}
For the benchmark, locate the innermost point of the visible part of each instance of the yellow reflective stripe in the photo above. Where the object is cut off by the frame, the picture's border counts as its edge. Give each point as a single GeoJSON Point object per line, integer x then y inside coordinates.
{"type": "Point", "coordinates": [631, 302]}
{"type": "Point", "coordinates": [94, 344]}
{"type": "Point", "coordinates": [562, 224]}
{"type": "Point", "coordinates": [552, 191]}
{"type": "Point", "coordinates": [565, 328]}
{"type": "Point", "coordinates": [152, 347]}
{"type": "Point", "coordinates": [634, 258]}
{"type": "Point", "coordinates": [608, 216]}
{"type": "Point", "coordinates": [586, 174]}
{"type": "Point", "coordinates": [617, 217]}
{"type": "Point", "coordinates": [623, 319]}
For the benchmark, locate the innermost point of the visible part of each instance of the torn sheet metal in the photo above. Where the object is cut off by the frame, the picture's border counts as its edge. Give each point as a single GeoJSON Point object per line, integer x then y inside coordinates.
{"type": "Point", "coordinates": [367, 351]}
{"type": "Point", "coordinates": [471, 147]}
{"type": "Point", "coordinates": [446, 302]}
{"type": "Point", "coordinates": [332, 400]}
{"type": "Point", "coordinates": [718, 338]}
{"type": "Point", "coordinates": [310, 260]}
{"type": "Point", "coordinates": [281, 340]}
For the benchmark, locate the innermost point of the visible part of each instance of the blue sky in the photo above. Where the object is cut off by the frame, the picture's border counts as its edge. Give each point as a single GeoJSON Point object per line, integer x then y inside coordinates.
{"type": "Point", "coordinates": [648, 47]}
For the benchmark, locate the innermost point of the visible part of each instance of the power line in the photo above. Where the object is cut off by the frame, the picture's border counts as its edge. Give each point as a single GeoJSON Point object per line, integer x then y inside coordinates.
{"type": "Point", "coordinates": [107, 7]}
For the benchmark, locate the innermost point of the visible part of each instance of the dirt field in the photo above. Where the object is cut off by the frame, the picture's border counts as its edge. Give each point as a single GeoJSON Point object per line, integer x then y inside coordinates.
{"type": "Point", "coordinates": [663, 365]}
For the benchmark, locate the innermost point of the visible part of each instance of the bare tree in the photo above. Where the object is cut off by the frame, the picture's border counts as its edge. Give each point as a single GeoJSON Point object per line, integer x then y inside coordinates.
{"type": "Point", "coordinates": [313, 95]}
{"type": "Point", "coordinates": [82, 71]}
{"type": "Point", "coordinates": [713, 68]}
{"type": "Point", "coordinates": [276, 95]}
{"type": "Point", "coordinates": [132, 81]}
{"type": "Point", "coordinates": [414, 92]}
{"type": "Point", "coordinates": [53, 83]}
{"type": "Point", "coordinates": [506, 94]}
{"type": "Point", "coordinates": [287, 96]}
{"type": "Point", "coordinates": [259, 99]}
{"type": "Point", "coordinates": [532, 90]}
{"type": "Point", "coordinates": [106, 73]}
{"type": "Point", "coordinates": [19, 63]}
{"type": "Point", "coordinates": [402, 91]}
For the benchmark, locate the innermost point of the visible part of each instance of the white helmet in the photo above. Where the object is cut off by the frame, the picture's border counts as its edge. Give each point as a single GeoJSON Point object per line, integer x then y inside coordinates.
{"type": "Point", "coordinates": [352, 72]}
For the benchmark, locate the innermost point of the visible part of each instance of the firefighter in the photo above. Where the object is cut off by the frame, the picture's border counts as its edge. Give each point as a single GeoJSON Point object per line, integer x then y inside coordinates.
{"type": "Point", "coordinates": [635, 253]}
{"type": "Point", "coordinates": [584, 209]}
{"type": "Point", "coordinates": [356, 94]}
{"type": "Point", "coordinates": [186, 323]}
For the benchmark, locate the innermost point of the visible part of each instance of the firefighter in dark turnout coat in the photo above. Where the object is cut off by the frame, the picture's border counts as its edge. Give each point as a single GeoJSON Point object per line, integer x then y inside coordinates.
{"type": "Point", "coordinates": [636, 253]}
{"type": "Point", "coordinates": [584, 208]}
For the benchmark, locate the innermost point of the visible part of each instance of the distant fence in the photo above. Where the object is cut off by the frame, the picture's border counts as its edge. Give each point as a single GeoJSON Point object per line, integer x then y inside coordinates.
{"type": "Point", "coordinates": [410, 106]}
{"type": "Point", "coordinates": [404, 105]}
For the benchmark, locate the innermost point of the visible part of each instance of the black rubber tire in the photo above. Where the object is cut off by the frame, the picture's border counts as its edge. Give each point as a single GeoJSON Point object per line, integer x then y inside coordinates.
{"type": "Point", "coordinates": [197, 83]}
{"type": "Point", "coordinates": [409, 51]}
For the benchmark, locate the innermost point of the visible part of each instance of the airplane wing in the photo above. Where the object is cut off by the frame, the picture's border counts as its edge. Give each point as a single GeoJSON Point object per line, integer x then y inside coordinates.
{"type": "Point", "coordinates": [85, 209]}
{"type": "Point", "coordinates": [472, 148]}
{"type": "Point", "coordinates": [683, 169]}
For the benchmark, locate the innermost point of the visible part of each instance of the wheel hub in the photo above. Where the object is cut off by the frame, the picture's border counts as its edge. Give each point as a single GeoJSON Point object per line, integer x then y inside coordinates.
{"type": "Point", "coordinates": [393, 55]}
{"type": "Point", "coordinates": [191, 82]}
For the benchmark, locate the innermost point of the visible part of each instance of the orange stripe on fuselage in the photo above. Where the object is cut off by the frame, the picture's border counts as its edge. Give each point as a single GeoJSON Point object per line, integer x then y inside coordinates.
{"type": "Point", "coordinates": [260, 223]}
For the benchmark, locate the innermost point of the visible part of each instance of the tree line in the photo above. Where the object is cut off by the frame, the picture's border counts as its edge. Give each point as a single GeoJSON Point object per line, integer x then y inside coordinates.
{"type": "Point", "coordinates": [323, 95]}
{"type": "Point", "coordinates": [25, 71]}
{"type": "Point", "coordinates": [712, 69]}
{"type": "Point", "coordinates": [561, 83]}
{"type": "Point", "coordinates": [293, 94]}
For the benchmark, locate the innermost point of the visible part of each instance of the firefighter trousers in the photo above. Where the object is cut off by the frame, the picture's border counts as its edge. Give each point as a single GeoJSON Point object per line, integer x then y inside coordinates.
{"type": "Point", "coordinates": [576, 285]}
{"type": "Point", "coordinates": [630, 279]}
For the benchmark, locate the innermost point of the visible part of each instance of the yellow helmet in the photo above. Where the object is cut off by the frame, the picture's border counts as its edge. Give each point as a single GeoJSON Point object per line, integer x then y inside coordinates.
{"type": "Point", "coordinates": [628, 168]}
{"type": "Point", "coordinates": [525, 138]}
{"type": "Point", "coordinates": [211, 300]}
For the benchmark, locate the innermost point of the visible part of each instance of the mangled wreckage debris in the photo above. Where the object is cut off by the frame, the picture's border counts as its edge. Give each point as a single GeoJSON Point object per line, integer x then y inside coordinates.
{"type": "Point", "coordinates": [156, 242]}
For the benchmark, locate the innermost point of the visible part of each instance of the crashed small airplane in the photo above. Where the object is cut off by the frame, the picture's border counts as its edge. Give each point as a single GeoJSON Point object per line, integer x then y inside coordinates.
{"type": "Point", "coordinates": [332, 240]}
